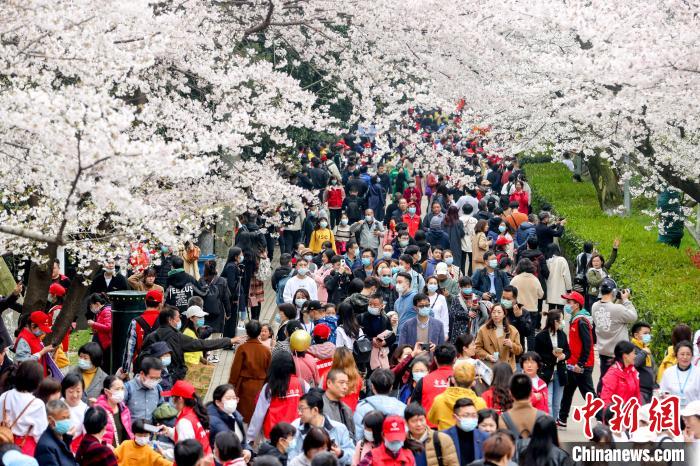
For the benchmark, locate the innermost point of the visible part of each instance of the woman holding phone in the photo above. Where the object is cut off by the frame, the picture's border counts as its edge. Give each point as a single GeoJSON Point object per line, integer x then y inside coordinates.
{"type": "Point", "coordinates": [553, 347]}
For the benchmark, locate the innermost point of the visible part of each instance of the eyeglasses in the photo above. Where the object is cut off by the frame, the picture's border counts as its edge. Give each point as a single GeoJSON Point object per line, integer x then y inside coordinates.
{"type": "Point", "coordinates": [301, 408]}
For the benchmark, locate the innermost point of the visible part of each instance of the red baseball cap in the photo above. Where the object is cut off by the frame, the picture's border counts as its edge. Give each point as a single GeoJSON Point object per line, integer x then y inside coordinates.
{"type": "Point", "coordinates": [57, 289]}
{"type": "Point", "coordinates": [181, 388]}
{"type": "Point", "coordinates": [322, 331]}
{"type": "Point", "coordinates": [155, 295]}
{"type": "Point", "coordinates": [574, 296]}
{"type": "Point", "coordinates": [41, 319]}
{"type": "Point", "coordinates": [394, 429]}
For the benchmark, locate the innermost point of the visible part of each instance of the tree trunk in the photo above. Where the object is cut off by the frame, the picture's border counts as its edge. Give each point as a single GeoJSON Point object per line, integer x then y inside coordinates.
{"type": "Point", "coordinates": [39, 282]}
{"type": "Point", "coordinates": [606, 182]}
{"type": "Point", "coordinates": [73, 304]}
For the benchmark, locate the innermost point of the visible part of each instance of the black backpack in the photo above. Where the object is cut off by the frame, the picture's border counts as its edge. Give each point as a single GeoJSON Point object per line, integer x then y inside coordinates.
{"type": "Point", "coordinates": [354, 209]}
{"type": "Point", "coordinates": [362, 350]}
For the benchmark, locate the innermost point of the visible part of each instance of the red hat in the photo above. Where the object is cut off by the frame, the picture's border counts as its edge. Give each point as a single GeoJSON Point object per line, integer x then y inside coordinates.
{"type": "Point", "coordinates": [394, 429]}
{"type": "Point", "coordinates": [57, 290]}
{"type": "Point", "coordinates": [322, 331]}
{"type": "Point", "coordinates": [502, 241]}
{"type": "Point", "coordinates": [574, 296]}
{"type": "Point", "coordinates": [41, 319]}
{"type": "Point", "coordinates": [154, 295]}
{"type": "Point", "coordinates": [182, 388]}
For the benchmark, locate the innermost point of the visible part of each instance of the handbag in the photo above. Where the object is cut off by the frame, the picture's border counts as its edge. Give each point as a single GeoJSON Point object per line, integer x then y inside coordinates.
{"type": "Point", "coordinates": [6, 435]}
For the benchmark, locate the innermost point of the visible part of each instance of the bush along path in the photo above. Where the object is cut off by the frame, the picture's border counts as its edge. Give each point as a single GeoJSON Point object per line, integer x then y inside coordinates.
{"type": "Point", "coordinates": [665, 283]}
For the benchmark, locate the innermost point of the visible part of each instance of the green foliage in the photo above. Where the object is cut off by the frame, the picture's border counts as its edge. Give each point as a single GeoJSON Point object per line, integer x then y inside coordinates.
{"type": "Point", "coordinates": [663, 280]}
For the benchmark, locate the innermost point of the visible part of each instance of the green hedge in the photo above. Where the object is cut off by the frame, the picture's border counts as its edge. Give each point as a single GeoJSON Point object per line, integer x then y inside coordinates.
{"type": "Point", "coordinates": [665, 284]}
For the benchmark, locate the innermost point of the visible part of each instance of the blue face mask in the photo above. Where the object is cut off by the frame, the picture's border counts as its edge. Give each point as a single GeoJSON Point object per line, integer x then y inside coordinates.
{"type": "Point", "coordinates": [468, 425]}
{"type": "Point", "coordinates": [403, 244]}
{"type": "Point", "coordinates": [63, 426]}
{"type": "Point", "coordinates": [568, 309]}
{"type": "Point", "coordinates": [466, 290]}
{"type": "Point", "coordinates": [368, 218]}
{"type": "Point", "coordinates": [502, 228]}
{"type": "Point", "coordinates": [646, 339]}
{"type": "Point", "coordinates": [386, 280]}
{"type": "Point", "coordinates": [417, 376]}
{"type": "Point", "coordinates": [84, 364]}
{"type": "Point", "coordinates": [343, 221]}
{"type": "Point", "coordinates": [178, 326]}
{"type": "Point", "coordinates": [411, 210]}
{"type": "Point", "coordinates": [386, 254]}
{"type": "Point", "coordinates": [199, 322]}
{"type": "Point", "coordinates": [394, 270]}
{"type": "Point", "coordinates": [366, 261]}
{"type": "Point", "coordinates": [375, 311]}
{"type": "Point", "coordinates": [432, 288]}
{"type": "Point", "coordinates": [323, 224]}
{"type": "Point", "coordinates": [278, 319]}
{"type": "Point", "coordinates": [166, 361]}
{"type": "Point", "coordinates": [449, 260]}
{"type": "Point", "coordinates": [393, 446]}
{"type": "Point", "coordinates": [424, 311]}
{"type": "Point", "coordinates": [38, 332]}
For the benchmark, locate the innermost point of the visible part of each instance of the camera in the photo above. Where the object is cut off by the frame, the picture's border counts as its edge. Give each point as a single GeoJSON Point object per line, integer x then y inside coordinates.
{"type": "Point", "coordinates": [425, 346]}
{"type": "Point", "coordinates": [618, 295]}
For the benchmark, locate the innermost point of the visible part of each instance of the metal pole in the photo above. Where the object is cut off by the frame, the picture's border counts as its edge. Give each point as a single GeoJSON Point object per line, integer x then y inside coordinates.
{"type": "Point", "coordinates": [697, 222]}
{"type": "Point", "coordinates": [627, 200]}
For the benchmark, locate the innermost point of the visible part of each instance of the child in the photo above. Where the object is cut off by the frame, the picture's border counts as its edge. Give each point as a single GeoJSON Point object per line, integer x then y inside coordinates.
{"type": "Point", "coordinates": [342, 235]}
{"type": "Point", "coordinates": [330, 310]}
{"type": "Point", "coordinates": [266, 336]}
{"type": "Point", "coordinates": [539, 398]}
{"type": "Point", "coordinates": [138, 451]}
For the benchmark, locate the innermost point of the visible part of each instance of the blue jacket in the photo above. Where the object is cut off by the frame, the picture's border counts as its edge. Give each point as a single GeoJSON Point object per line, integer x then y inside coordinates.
{"type": "Point", "coordinates": [339, 434]}
{"type": "Point", "coordinates": [525, 230]}
{"type": "Point", "coordinates": [479, 438]}
{"type": "Point", "coordinates": [219, 421]}
{"type": "Point", "coordinates": [482, 282]}
{"type": "Point", "coordinates": [53, 451]}
{"type": "Point", "coordinates": [408, 334]}
{"type": "Point", "coordinates": [404, 308]}
{"type": "Point", "coordinates": [384, 403]}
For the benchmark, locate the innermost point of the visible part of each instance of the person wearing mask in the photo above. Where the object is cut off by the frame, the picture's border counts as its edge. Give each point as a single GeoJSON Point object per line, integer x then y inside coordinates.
{"type": "Point", "coordinates": [224, 417]}
{"type": "Point", "coordinates": [217, 302]}
{"type": "Point", "coordinates": [194, 319]}
{"type": "Point", "coordinates": [438, 303]}
{"type": "Point", "coordinates": [553, 348]}
{"type": "Point", "coordinates": [559, 280]}
{"type": "Point", "coordinates": [233, 273]}
{"type": "Point", "coordinates": [249, 369]}
{"type": "Point", "coordinates": [381, 383]}
{"type": "Point", "coordinates": [465, 315]}
{"type": "Point", "coordinates": [108, 280]}
{"type": "Point", "coordinates": [454, 271]}
{"type": "Point", "coordinates": [436, 381]}
{"type": "Point", "coordinates": [465, 435]}
{"type": "Point", "coordinates": [168, 331]}
{"type": "Point", "coordinates": [145, 280]}
{"type": "Point", "coordinates": [140, 327]}
{"type": "Point", "coordinates": [138, 451]}
{"type": "Point", "coordinates": [367, 269]}
{"type": "Point", "coordinates": [311, 415]}
{"type": "Point", "coordinates": [539, 260]}
{"type": "Point", "coordinates": [489, 280]}
{"type": "Point", "coordinates": [644, 360]}
{"type": "Point", "coordinates": [435, 213]}
{"type": "Point", "coordinates": [302, 280]}
{"type": "Point", "coordinates": [286, 312]}
{"type": "Point", "coordinates": [351, 255]}
{"type": "Point", "coordinates": [160, 350]}
{"type": "Point", "coordinates": [404, 304]}
{"type": "Point", "coordinates": [611, 320]}
{"type": "Point", "coordinates": [408, 264]}
{"type": "Point", "coordinates": [143, 392]}
{"type": "Point", "coordinates": [543, 447]}
{"type": "Point", "coordinates": [370, 232]}
{"type": "Point", "coordinates": [89, 360]}
{"type": "Point", "coordinates": [52, 448]}
{"type": "Point", "coordinates": [282, 435]}
{"type": "Point", "coordinates": [622, 378]}
{"type": "Point", "coordinates": [422, 328]}
{"type": "Point", "coordinates": [371, 437]}
{"type": "Point", "coordinates": [192, 420]}
{"type": "Point", "coordinates": [480, 245]}
{"type": "Point", "coordinates": [92, 451]}
{"type": "Point", "coordinates": [376, 197]}
{"type": "Point", "coordinates": [402, 241]}
{"type": "Point", "coordinates": [23, 412]}
{"type": "Point", "coordinates": [392, 451]}
{"type": "Point", "coordinates": [417, 369]}
{"type": "Point", "coordinates": [112, 401]}
{"type": "Point", "coordinates": [376, 325]}
{"type": "Point", "coordinates": [497, 340]}
{"type": "Point", "coordinates": [520, 419]}
{"type": "Point", "coordinates": [517, 316]}
{"type": "Point", "coordinates": [54, 306]}
{"type": "Point", "coordinates": [430, 441]}
{"type": "Point", "coordinates": [682, 379]}
{"type": "Point", "coordinates": [386, 287]}
{"type": "Point", "coordinates": [411, 218]}
{"type": "Point", "coordinates": [333, 197]}
{"type": "Point", "coordinates": [441, 413]}
{"type": "Point", "coordinates": [101, 325]}
{"type": "Point", "coordinates": [29, 346]}
{"type": "Point", "coordinates": [466, 244]}
{"type": "Point", "coordinates": [321, 234]}
{"type": "Point", "coordinates": [72, 394]}
{"type": "Point", "coordinates": [579, 366]}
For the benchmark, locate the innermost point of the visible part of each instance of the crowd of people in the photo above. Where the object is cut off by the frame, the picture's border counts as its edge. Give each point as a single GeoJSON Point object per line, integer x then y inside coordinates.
{"type": "Point", "coordinates": [455, 337]}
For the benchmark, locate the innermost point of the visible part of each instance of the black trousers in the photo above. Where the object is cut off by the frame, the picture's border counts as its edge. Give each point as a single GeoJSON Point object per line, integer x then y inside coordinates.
{"type": "Point", "coordinates": [584, 383]}
{"type": "Point", "coordinates": [290, 238]}
{"type": "Point", "coordinates": [335, 215]}
{"type": "Point", "coordinates": [605, 363]}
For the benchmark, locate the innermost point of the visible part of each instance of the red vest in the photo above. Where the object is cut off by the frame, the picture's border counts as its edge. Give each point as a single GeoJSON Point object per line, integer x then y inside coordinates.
{"type": "Point", "coordinates": [412, 222]}
{"type": "Point", "coordinates": [150, 316]}
{"type": "Point", "coordinates": [35, 344]}
{"type": "Point", "coordinates": [435, 383]}
{"type": "Point", "coordinates": [55, 310]}
{"type": "Point", "coordinates": [335, 197]}
{"type": "Point", "coordinates": [575, 342]}
{"type": "Point", "coordinates": [380, 455]}
{"type": "Point", "coordinates": [283, 409]}
{"type": "Point", "coordinates": [323, 366]}
{"type": "Point", "coordinates": [200, 433]}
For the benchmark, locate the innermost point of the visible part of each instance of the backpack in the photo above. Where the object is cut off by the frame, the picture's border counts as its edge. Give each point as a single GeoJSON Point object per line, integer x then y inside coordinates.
{"type": "Point", "coordinates": [362, 350]}
{"type": "Point", "coordinates": [6, 435]}
{"type": "Point", "coordinates": [354, 209]}
{"type": "Point", "coordinates": [520, 442]}
{"type": "Point", "coordinates": [280, 287]}
{"type": "Point", "coordinates": [142, 331]}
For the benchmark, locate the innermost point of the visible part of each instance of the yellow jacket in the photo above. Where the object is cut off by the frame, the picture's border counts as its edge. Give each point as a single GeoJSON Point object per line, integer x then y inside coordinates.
{"type": "Point", "coordinates": [441, 412]}
{"type": "Point", "coordinates": [130, 454]}
{"type": "Point", "coordinates": [668, 361]}
{"type": "Point", "coordinates": [192, 357]}
{"type": "Point", "coordinates": [318, 237]}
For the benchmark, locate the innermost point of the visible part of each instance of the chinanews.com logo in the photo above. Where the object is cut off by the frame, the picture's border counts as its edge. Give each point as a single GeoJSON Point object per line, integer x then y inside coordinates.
{"type": "Point", "coordinates": [628, 453]}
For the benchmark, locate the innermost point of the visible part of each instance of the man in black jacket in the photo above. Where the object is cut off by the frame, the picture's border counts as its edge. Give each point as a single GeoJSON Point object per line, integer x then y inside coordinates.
{"type": "Point", "coordinates": [181, 286]}
{"type": "Point", "coordinates": [109, 280]}
{"type": "Point", "coordinates": [534, 253]}
{"type": "Point", "coordinates": [168, 331]}
{"type": "Point", "coordinates": [546, 232]}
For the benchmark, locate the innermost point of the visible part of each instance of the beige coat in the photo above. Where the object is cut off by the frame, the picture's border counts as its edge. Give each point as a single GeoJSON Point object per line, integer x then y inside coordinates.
{"type": "Point", "coordinates": [488, 343]}
{"type": "Point", "coordinates": [449, 451]}
{"type": "Point", "coordinates": [559, 280]}
{"type": "Point", "coordinates": [480, 244]}
{"type": "Point", "coordinates": [523, 415]}
{"type": "Point", "coordinates": [529, 290]}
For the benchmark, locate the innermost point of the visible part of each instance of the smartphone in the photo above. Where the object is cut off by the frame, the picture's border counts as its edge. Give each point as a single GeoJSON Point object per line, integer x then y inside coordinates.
{"type": "Point", "coordinates": [151, 428]}
{"type": "Point", "coordinates": [342, 262]}
{"type": "Point", "coordinates": [425, 346]}
{"type": "Point", "coordinates": [558, 350]}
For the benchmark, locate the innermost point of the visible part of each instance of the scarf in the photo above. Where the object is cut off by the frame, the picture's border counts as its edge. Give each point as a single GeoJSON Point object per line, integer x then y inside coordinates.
{"type": "Point", "coordinates": [174, 271]}
{"type": "Point", "coordinates": [640, 345]}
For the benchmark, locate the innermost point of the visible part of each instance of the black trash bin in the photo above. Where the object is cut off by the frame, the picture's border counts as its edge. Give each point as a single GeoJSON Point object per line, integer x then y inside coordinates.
{"type": "Point", "coordinates": [126, 306]}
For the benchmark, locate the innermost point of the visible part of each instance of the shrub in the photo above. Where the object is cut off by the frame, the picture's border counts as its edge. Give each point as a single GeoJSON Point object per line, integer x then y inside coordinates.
{"type": "Point", "coordinates": [664, 281]}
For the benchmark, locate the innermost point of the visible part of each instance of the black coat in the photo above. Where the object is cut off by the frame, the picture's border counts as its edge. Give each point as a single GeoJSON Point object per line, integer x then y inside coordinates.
{"type": "Point", "coordinates": [540, 262]}
{"type": "Point", "coordinates": [181, 287]}
{"type": "Point", "coordinates": [99, 284]}
{"type": "Point", "coordinates": [217, 303]}
{"type": "Point", "coordinates": [267, 449]}
{"type": "Point", "coordinates": [53, 451]}
{"type": "Point", "coordinates": [546, 234]}
{"type": "Point", "coordinates": [543, 347]}
{"type": "Point", "coordinates": [180, 344]}
{"type": "Point", "coordinates": [337, 286]}
{"type": "Point", "coordinates": [166, 264]}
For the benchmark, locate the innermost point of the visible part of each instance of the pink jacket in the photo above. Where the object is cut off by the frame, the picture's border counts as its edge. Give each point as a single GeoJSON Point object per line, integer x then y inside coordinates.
{"type": "Point", "coordinates": [103, 327]}
{"type": "Point", "coordinates": [622, 381]}
{"type": "Point", "coordinates": [125, 417]}
{"type": "Point", "coordinates": [540, 395]}
{"type": "Point", "coordinates": [319, 276]}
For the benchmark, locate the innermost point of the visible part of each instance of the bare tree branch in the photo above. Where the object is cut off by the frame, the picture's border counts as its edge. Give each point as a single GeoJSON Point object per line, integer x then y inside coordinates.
{"type": "Point", "coordinates": [265, 24]}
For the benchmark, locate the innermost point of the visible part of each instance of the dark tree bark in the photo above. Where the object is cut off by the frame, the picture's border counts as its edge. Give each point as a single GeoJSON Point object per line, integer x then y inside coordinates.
{"type": "Point", "coordinates": [606, 183]}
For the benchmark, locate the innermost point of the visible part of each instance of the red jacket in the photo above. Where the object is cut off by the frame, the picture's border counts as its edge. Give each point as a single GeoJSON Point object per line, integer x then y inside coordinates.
{"type": "Point", "coordinates": [577, 341]}
{"type": "Point", "coordinates": [540, 395]}
{"type": "Point", "coordinates": [435, 383]}
{"type": "Point", "coordinates": [522, 199]}
{"type": "Point", "coordinates": [335, 197]}
{"type": "Point", "coordinates": [412, 222]}
{"type": "Point", "coordinates": [103, 327]}
{"type": "Point", "coordinates": [150, 316]}
{"type": "Point", "coordinates": [621, 381]}
{"type": "Point", "coordinates": [283, 409]}
{"type": "Point", "coordinates": [380, 456]}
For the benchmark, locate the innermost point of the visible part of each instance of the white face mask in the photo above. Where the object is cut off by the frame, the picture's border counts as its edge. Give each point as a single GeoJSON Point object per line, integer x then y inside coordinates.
{"type": "Point", "coordinates": [141, 441]}
{"type": "Point", "coordinates": [117, 396]}
{"type": "Point", "coordinates": [230, 406]}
